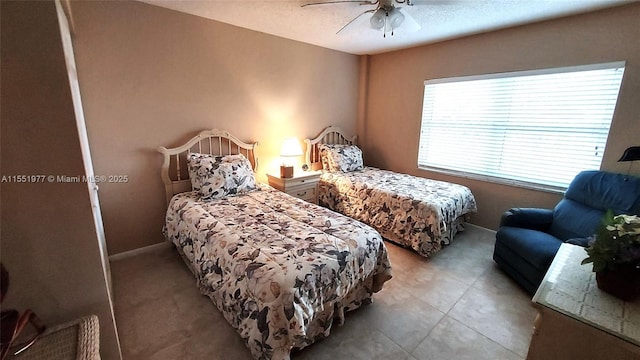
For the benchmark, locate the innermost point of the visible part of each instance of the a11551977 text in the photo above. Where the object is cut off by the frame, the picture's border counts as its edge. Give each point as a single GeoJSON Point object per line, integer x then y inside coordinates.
{"type": "Point", "coordinates": [39, 178]}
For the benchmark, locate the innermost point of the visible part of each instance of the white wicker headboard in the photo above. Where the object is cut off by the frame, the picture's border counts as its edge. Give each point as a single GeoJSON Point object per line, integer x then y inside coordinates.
{"type": "Point", "coordinates": [175, 174]}
{"type": "Point", "coordinates": [330, 135]}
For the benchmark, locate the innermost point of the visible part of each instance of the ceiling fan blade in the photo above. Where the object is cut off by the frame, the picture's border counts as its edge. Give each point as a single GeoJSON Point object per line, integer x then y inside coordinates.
{"type": "Point", "coordinates": [360, 2]}
{"type": "Point", "coordinates": [410, 24]}
{"type": "Point", "coordinates": [354, 19]}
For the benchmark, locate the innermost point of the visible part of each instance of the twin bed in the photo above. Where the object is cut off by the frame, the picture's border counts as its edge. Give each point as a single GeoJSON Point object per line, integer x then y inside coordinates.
{"type": "Point", "coordinates": [282, 270]}
{"type": "Point", "coordinates": [415, 212]}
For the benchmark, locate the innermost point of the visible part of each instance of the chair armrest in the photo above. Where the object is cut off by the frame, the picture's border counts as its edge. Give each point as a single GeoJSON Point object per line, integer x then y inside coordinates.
{"type": "Point", "coordinates": [584, 242]}
{"type": "Point", "coordinates": [528, 218]}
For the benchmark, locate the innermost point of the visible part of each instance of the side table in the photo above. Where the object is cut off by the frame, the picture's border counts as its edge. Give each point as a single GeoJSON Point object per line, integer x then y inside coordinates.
{"type": "Point", "coordinates": [303, 186]}
{"type": "Point", "coordinates": [576, 320]}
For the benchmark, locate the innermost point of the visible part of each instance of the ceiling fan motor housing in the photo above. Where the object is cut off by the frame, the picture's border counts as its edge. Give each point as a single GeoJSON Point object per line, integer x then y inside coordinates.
{"type": "Point", "coordinates": [385, 16]}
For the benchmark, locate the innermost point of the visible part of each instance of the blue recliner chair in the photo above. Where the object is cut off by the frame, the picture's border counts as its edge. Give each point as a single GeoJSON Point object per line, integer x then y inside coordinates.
{"type": "Point", "coordinates": [528, 238]}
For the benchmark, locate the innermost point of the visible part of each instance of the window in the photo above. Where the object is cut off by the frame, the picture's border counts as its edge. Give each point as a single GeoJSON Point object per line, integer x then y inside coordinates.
{"type": "Point", "coordinates": [530, 128]}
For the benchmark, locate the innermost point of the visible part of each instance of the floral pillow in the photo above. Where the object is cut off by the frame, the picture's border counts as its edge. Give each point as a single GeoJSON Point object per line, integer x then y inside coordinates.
{"type": "Point", "coordinates": [240, 177]}
{"type": "Point", "coordinates": [343, 158]}
{"type": "Point", "coordinates": [218, 176]}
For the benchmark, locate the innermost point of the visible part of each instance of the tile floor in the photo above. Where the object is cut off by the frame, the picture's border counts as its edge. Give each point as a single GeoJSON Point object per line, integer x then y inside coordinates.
{"type": "Point", "coordinates": [456, 305]}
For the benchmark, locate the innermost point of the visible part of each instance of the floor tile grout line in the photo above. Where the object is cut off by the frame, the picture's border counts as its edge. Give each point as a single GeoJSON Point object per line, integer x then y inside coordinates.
{"type": "Point", "coordinates": [460, 298]}
{"type": "Point", "coordinates": [428, 333]}
{"type": "Point", "coordinates": [484, 336]}
{"type": "Point", "coordinates": [469, 287]}
{"type": "Point", "coordinates": [390, 339]}
{"type": "Point", "coordinates": [445, 314]}
{"type": "Point", "coordinates": [468, 326]}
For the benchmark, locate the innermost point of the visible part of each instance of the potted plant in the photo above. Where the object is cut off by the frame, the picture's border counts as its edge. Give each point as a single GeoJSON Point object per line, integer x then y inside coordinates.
{"type": "Point", "coordinates": [615, 254]}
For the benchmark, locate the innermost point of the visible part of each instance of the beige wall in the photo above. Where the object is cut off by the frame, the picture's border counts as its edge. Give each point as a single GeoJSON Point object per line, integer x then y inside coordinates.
{"type": "Point", "coordinates": [49, 242]}
{"type": "Point", "coordinates": [395, 90]}
{"type": "Point", "coordinates": [151, 76]}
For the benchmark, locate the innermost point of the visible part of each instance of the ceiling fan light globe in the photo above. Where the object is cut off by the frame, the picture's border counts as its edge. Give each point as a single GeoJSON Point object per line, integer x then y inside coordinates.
{"type": "Point", "coordinates": [377, 20]}
{"type": "Point", "coordinates": [396, 18]}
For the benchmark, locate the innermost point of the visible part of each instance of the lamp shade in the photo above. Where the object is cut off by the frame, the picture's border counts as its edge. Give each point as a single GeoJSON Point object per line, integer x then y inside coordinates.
{"type": "Point", "coordinates": [291, 147]}
{"type": "Point", "coordinates": [631, 154]}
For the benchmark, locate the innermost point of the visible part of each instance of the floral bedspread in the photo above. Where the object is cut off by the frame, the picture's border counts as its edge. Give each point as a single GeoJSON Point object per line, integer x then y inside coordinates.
{"type": "Point", "coordinates": [412, 211]}
{"type": "Point", "coordinates": [279, 269]}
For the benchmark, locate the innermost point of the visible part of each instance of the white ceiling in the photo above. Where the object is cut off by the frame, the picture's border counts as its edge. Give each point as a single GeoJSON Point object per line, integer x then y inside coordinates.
{"type": "Point", "coordinates": [439, 19]}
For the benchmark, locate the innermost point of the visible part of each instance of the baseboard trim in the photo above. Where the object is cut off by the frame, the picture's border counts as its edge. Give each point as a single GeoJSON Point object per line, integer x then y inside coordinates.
{"type": "Point", "coordinates": [138, 251]}
{"type": "Point", "coordinates": [478, 226]}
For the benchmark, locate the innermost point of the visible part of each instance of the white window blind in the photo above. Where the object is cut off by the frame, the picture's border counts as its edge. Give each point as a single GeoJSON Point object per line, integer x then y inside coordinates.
{"type": "Point", "coordinates": [529, 128]}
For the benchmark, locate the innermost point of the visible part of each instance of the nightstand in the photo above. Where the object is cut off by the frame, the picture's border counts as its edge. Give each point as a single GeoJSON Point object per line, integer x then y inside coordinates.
{"type": "Point", "coordinates": [302, 185]}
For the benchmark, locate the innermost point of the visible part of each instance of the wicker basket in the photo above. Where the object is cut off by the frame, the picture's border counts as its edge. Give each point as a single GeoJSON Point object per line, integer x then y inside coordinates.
{"type": "Point", "coordinates": [78, 339]}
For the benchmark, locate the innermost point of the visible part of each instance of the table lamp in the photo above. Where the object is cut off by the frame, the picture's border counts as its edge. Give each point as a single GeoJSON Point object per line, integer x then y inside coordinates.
{"type": "Point", "coordinates": [290, 149]}
{"type": "Point", "coordinates": [630, 154]}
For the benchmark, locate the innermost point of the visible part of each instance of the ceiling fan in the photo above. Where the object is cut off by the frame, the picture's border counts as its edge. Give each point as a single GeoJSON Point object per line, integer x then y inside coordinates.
{"type": "Point", "coordinates": [386, 16]}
